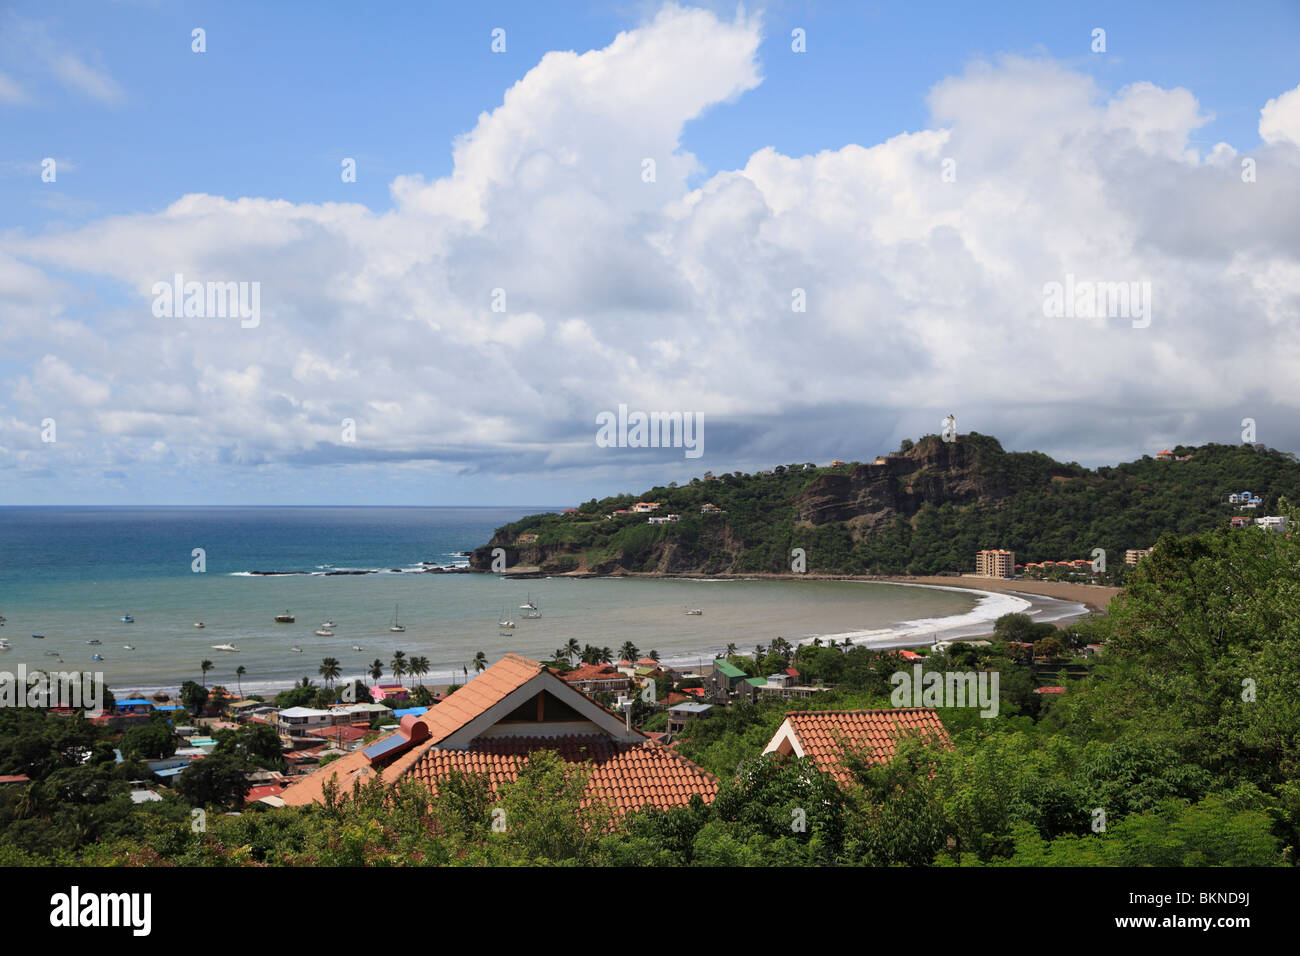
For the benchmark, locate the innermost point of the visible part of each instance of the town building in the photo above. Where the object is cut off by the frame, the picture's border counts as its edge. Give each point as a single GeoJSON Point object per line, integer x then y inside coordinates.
{"type": "Point", "coordinates": [826, 736]}
{"type": "Point", "coordinates": [493, 725]}
{"type": "Point", "coordinates": [1133, 555]}
{"type": "Point", "coordinates": [995, 563]}
{"type": "Point", "coordinates": [681, 714]}
{"type": "Point", "coordinates": [644, 507]}
{"type": "Point", "coordinates": [598, 678]}
{"type": "Point", "coordinates": [1273, 522]}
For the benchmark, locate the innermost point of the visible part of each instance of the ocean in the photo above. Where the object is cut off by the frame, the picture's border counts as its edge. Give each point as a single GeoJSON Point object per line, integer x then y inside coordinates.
{"type": "Point", "coordinates": [71, 573]}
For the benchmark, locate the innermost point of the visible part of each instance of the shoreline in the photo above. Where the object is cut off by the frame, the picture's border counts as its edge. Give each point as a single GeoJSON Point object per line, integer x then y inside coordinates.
{"type": "Point", "coordinates": [1060, 603]}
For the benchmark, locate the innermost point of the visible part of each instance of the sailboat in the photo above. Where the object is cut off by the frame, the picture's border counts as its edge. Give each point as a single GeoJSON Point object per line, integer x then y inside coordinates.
{"type": "Point", "coordinates": [531, 611]}
{"type": "Point", "coordinates": [505, 622]}
{"type": "Point", "coordinates": [395, 627]}
{"type": "Point", "coordinates": [323, 631]}
{"type": "Point", "coordinates": [127, 619]}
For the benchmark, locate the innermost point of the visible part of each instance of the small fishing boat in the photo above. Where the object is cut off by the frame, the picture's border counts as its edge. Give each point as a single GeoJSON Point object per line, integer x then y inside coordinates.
{"type": "Point", "coordinates": [199, 624]}
{"type": "Point", "coordinates": [4, 644]}
{"type": "Point", "coordinates": [506, 633]}
{"type": "Point", "coordinates": [38, 637]}
{"type": "Point", "coordinates": [127, 619]}
{"type": "Point", "coordinates": [395, 627]}
{"type": "Point", "coordinates": [285, 618]}
{"type": "Point", "coordinates": [128, 647]}
{"type": "Point", "coordinates": [694, 611]}
{"type": "Point", "coordinates": [323, 632]}
{"type": "Point", "coordinates": [328, 624]}
{"type": "Point", "coordinates": [51, 653]}
{"type": "Point", "coordinates": [356, 647]}
{"type": "Point", "coordinates": [94, 640]}
{"type": "Point", "coordinates": [226, 647]}
{"type": "Point", "coordinates": [296, 649]}
{"type": "Point", "coordinates": [97, 657]}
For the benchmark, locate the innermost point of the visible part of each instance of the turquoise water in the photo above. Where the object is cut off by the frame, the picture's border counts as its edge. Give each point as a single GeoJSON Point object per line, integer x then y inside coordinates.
{"type": "Point", "coordinates": [71, 573]}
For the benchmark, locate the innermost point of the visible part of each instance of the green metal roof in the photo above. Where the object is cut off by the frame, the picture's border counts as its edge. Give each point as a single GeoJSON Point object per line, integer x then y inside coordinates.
{"type": "Point", "coordinates": [727, 668]}
{"type": "Point", "coordinates": [756, 681]}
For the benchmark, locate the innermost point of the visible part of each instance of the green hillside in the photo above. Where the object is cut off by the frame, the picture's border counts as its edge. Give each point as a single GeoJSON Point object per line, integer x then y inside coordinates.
{"type": "Point", "coordinates": [925, 509]}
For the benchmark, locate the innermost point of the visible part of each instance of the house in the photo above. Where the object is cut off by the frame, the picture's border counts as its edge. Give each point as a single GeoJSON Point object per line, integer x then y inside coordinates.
{"type": "Point", "coordinates": [825, 736]}
{"type": "Point", "coordinates": [726, 676]}
{"type": "Point", "coordinates": [494, 724]}
{"type": "Point", "coordinates": [748, 687]}
{"type": "Point", "coordinates": [1164, 455]}
{"type": "Point", "coordinates": [681, 714]}
{"type": "Point", "coordinates": [837, 462]}
{"type": "Point", "coordinates": [711, 509]}
{"type": "Point", "coordinates": [302, 721]}
{"type": "Point", "coordinates": [382, 692]}
{"type": "Point", "coordinates": [1273, 522]}
{"type": "Point", "coordinates": [529, 538]}
{"type": "Point", "coordinates": [597, 678]}
{"type": "Point", "coordinates": [572, 511]}
{"type": "Point", "coordinates": [784, 685]}
{"type": "Point", "coordinates": [664, 519]}
{"type": "Point", "coordinates": [14, 778]}
{"type": "Point", "coordinates": [644, 507]}
{"type": "Point", "coordinates": [1133, 555]}
{"type": "Point", "coordinates": [1239, 522]}
{"type": "Point", "coordinates": [881, 460]}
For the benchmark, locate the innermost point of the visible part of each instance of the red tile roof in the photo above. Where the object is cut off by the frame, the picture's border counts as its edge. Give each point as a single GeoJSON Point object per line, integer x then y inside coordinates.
{"type": "Point", "coordinates": [257, 793]}
{"type": "Point", "coordinates": [593, 672]}
{"type": "Point", "coordinates": [627, 775]}
{"type": "Point", "coordinates": [824, 735]}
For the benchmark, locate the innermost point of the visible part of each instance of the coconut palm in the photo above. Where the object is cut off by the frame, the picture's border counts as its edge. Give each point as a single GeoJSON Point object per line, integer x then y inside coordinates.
{"type": "Point", "coordinates": [480, 662]}
{"type": "Point", "coordinates": [560, 655]}
{"type": "Point", "coordinates": [571, 650]}
{"type": "Point", "coordinates": [418, 667]}
{"type": "Point", "coordinates": [399, 665]}
{"type": "Point", "coordinates": [330, 670]}
{"type": "Point", "coordinates": [605, 656]}
{"type": "Point", "coordinates": [731, 649]}
{"type": "Point", "coordinates": [240, 671]}
{"type": "Point", "coordinates": [628, 651]}
{"type": "Point", "coordinates": [205, 667]}
{"type": "Point", "coordinates": [589, 654]}
{"type": "Point", "coordinates": [376, 668]}
{"type": "Point", "coordinates": [653, 655]}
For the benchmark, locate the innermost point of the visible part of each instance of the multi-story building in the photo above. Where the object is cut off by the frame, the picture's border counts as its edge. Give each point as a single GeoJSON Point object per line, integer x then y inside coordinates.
{"type": "Point", "coordinates": [995, 563]}
{"type": "Point", "coordinates": [1133, 555]}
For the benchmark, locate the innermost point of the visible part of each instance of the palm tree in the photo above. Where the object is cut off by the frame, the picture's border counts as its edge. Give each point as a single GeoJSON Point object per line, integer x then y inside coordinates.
{"type": "Point", "coordinates": [606, 656]}
{"type": "Point", "coordinates": [758, 653]}
{"type": "Point", "coordinates": [571, 650]}
{"type": "Point", "coordinates": [377, 669]}
{"type": "Point", "coordinates": [589, 654]}
{"type": "Point", "coordinates": [399, 665]}
{"type": "Point", "coordinates": [653, 655]}
{"type": "Point", "coordinates": [480, 662]}
{"type": "Point", "coordinates": [628, 651]}
{"type": "Point", "coordinates": [205, 666]}
{"type": "Point", "coordinates": [240, 671]}
{"type": "Point", "coordinates": [731, 649]}
{"type": "Point", "coordinates": [330, 670]}
{"type": "Point", "coordinates": [418, 667]}
{"type": "Point", "coordinates": [560, 655]}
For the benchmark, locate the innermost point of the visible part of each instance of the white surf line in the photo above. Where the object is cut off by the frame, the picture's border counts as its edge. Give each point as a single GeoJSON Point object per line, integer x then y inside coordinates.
{"type": "Point", "coordinates": [989, 607]}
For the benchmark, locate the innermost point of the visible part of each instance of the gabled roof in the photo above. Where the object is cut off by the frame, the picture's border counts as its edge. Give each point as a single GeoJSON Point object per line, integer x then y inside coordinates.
{"type": "Point", "coordinates": [627, 775]}
{"type": "Point", "coordinates": [727, 668]}
{"type": "Point", "coordinates": [627, 769]}
{"type": "Point", "coordinates": [825, 735]}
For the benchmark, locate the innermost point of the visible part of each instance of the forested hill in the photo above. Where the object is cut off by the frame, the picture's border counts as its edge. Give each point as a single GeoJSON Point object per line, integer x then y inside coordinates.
{"type": "Point", "coordinates": [924, 509]}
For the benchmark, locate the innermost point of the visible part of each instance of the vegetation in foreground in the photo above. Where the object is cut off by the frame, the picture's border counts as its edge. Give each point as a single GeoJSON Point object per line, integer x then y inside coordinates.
{"type": "Point", "coordinates": [1181, 748]}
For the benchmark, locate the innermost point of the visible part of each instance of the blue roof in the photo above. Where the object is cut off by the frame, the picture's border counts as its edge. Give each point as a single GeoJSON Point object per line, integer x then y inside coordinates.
{"type": "Point", "coordinates": [417, 711]}
{"type": "Point", "coordinates": [169, 707]}
{"type": "Point", "coordinates": [135, 702]}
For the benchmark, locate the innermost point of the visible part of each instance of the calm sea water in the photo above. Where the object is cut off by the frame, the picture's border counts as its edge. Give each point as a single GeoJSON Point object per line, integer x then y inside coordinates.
{"type": "Point", "coordinates": [70, 574]}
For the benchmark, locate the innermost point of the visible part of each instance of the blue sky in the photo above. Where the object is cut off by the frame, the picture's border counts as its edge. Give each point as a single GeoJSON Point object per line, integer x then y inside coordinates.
{"type": "Point", "coordinates": [285, 91]}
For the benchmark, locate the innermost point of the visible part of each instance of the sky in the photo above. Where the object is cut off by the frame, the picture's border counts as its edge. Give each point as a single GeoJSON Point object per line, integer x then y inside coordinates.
{"type": "Point", "coordinates": [811, 229]}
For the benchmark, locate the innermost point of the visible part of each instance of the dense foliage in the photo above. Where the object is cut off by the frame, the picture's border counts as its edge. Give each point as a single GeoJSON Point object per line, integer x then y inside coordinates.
{"type": "Point", "coordinates": [1031, 504]}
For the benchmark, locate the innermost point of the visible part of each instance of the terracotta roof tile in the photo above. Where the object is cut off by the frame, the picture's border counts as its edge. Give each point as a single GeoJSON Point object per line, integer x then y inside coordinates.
{"type": "Point", "coordinates": [628, 775]}
{"type": "Point", "coordinates": [484, 691]}
{"type": "Point", "coordinates": [824, 735]}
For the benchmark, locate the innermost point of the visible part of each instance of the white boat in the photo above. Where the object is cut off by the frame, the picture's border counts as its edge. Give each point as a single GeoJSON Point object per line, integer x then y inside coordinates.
{"type": "Point", "coordinates": [505, 622]}
{"type": "Point", "coordinates": [94, 640]}
{"type": "Point", "coordinates": [199, 624]}
{"type": "Point", "coordinates": [4, 644]}
{"type": "Point", "coordinates": [531, 611]}
{"type": "Point", "coordinates": [528, 605]}
{"type": "Point", "coordinates": [395, 627]}
{"type": "Point", "coordinates": [323, 632]}
{"type": "Point", "coordinates": [328, 624]}
{"type": "Point", "coordinates": [694, 611]}
{"type": "Point", "coordinates": [128, 647]}
{"type": "Point", "coordinates": [127, 619]}
{"type": "Point", "coordinates": [97, 657]}
{"type": "Point", "coordinates": [356, 647]}
{"type": "Point", "coordinates": [296, 650]}
{"type": "Point", "coordinates": [226, 647]}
